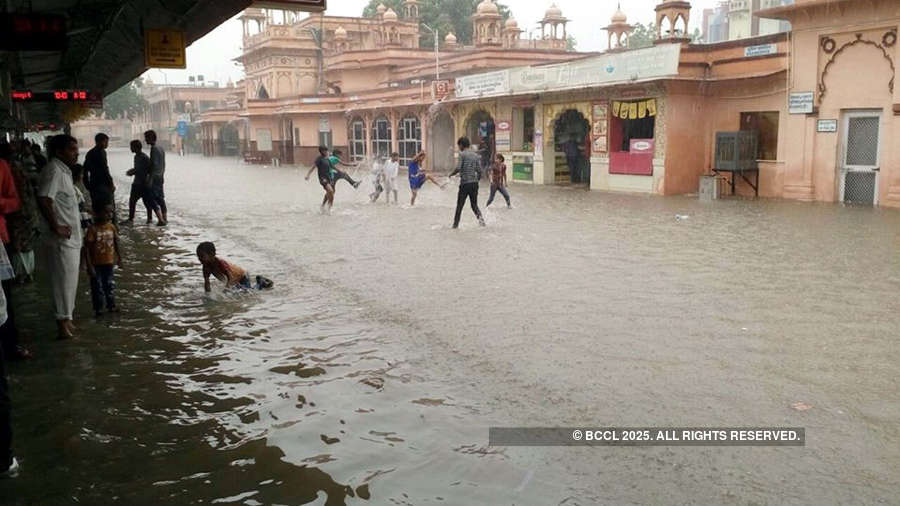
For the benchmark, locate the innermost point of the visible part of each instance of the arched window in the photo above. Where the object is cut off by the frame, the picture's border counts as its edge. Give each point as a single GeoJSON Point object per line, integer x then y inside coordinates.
{"type": "Point", "coordinates": [409, 136]}
{"type": "Point", "coordinates": [357, 139]}
{"type": "Point", "coordinates": [381, 137]}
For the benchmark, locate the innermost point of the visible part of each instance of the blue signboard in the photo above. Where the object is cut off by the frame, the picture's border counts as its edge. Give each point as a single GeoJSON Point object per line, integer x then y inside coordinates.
{"type": "Point", "coordinates": [182, 128]}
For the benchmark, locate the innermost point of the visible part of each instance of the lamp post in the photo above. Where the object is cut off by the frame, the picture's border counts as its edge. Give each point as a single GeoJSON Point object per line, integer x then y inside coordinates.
{"type": "Point", "coordinates": [437, 54]}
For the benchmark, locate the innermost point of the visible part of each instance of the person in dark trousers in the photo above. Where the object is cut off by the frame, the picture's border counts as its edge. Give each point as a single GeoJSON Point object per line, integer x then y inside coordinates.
{"type": "Point", "coordinates": [96, 177]}
{"type": "Point", "coordinates": [469, 171]}
{"type": "Point", "coordinates": [157, 175]}
{"type": "Point", "coordinates": [9, 203]}
{"type": "Point", "coordinates": [141, 187]}
{"type": "Point", "coordinates": [337, 173]}
{"type": "Point", "coordinates": [9, 467]}
{"type": "Point", "coordinates": [323, 166]}
{"type": "Point", "coordinates": [101, 256]}
{"type": "Point", "coordinates": [498, 180]}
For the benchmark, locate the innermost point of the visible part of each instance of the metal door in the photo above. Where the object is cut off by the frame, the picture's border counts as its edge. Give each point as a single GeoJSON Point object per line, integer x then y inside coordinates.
{"type": "Point", "coordinates": [860, 157]}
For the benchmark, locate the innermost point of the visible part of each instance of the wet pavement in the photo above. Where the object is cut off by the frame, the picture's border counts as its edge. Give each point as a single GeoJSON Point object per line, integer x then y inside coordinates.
{"type": "Point", "coordinates": [390, 344]}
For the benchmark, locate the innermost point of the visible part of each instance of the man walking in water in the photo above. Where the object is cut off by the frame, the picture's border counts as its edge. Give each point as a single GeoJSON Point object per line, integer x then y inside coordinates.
{"type": "Point", "coordinates": [469, 171]}
{"type": "Point", "coordinates": [323, 166]}
{"type": "Point", "coordinates": [96, 177]}
{"type": "Point", "coordinates": [157, 175]}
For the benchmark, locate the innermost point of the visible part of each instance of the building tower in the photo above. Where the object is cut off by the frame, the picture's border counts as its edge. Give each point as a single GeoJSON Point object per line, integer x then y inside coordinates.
{"type": "Point", "coordinates": [253, 15]}
{"type": "Point", "coordinates": [391, 24]}
{"type": "Point", "coordinates": [486, 24]}
{"type": "Point", "coordinates": [511, 34]}
{"type": "Point", "coordinates": [411, 9]}
{"type": "Point", "coordinates": [672, 18]}
{"type": "Point", "coordinates": [379, 12]}
{"type": "Point", "coordinates": [450, 42]}
{"type": "Point", "coordinates": [618, 30]}
{"type": "Point", "coordinates": [554, 19]}
{"type": "Point", "coordinates": [341, 41]}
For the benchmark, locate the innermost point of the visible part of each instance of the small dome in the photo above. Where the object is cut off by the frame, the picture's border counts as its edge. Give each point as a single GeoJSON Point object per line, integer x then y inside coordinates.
{"type": "Point", "coordinates": [380, 9]}
{"type": "Point", "coordinates": [511, 23]}
{"type": "Point", "coordinates": [450, 38]}
{"type": "Point", "coordinates": [487, 7]}
{"type": "Point", "coordinates": [553, 12]}
{"type": "Point", "coordinates": [619, 17]}
{"type": "Point", "coordinates": [390, 15]}
{"type": "Point", "coordinates": [340, 33]}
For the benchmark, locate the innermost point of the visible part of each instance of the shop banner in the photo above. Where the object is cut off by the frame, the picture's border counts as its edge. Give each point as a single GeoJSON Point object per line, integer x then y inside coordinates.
{"type": "Point", "coordinates": [646, 63]}
{"type": "Point", "coordinates": [634, 110]}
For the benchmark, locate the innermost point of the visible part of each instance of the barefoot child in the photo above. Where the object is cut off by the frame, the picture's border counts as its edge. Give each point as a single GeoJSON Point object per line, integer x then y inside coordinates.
{"type": "Point", "coordinates": [377, 174]}
{"type": "Point", "coordinates": [498, 180]}
{"type": "Point", "coordinates": [391, 169]}
{"type": "Point", "coordinates": [323, 166]}
{"type": "Point", "coordinates": [337, 173]}
{"type": "Point", "coordinates": [233, 276]}
{"type": "Point", "coordinates": [418, 176]}
{"type": "Point", "coordinates": [101, 254]}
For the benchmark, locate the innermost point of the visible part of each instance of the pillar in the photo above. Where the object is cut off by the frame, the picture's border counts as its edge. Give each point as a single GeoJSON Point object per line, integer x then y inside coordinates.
{"type": "Point", "coordinates": [395, 130]}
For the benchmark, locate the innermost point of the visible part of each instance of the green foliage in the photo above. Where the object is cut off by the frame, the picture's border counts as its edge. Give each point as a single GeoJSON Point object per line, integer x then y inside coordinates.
{"type": "Point", "coordinates": [571, 43]}
{"type": "Point", "coordinates": [125, 101]}
{"type": "Point", "coordinates": [444, 15]}
{"type": "Point", "coordinates": [642, 35]}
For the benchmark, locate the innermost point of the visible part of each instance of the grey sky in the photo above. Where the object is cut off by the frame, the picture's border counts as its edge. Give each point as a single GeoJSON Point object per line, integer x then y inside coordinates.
{"type": "Point", "coordinates": [211, 56]}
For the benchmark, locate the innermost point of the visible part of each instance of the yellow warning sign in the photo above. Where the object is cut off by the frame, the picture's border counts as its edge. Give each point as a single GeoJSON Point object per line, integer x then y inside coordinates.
{"type": "Point", "coordinates": [164, 49]}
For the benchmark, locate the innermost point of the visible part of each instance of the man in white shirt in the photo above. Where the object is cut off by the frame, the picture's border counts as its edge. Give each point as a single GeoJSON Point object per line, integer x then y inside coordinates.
{"type": "Point", "coordinates": [391, 169]}
{"type": "Point", "coordinates": [62, 228]}
{"type": "Point", "coordinates": [377, 174]}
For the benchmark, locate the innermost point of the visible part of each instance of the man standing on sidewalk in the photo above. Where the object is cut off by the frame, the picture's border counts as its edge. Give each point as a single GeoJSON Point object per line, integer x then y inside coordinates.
{"type": "Point", "coordinates": [157, 175]}
{"type": "Point", "coordinates": [469, 171]}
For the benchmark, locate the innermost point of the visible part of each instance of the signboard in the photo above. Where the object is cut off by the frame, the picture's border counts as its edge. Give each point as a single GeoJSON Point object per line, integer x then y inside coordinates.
{"type": "Point", "coordinates": [801, 102]}
{"type": "Point", "coordinates": [504, 126]}
{"type": "Point", "coordinates": [440, 90]}
{"type": "Point", "coordinates": [599, 126]}
{"type": "Point", "coordinates": [182, 128]}
{"type": "Point", "coordinates": [491, 83]}
{"type": "Point", "coordinates": [164, 49]}
{"type": "Point", "coordinates": [644, 146]}
{"type": "Point", "coordinates": [264, 139]}
{"type": "Point", "coordinates": [324, 124]}
{"type": "Point", "coordinates": [33, 32]}
{"type": "Point", "coordinates": [523, 168]}
{"type": "Point", "coordinates": [761, 50]}
{"type": "Point", "coordinates": [294, 5]}
{"type": "Point", "coordinates": [89, 99]}
{"type": "Point", "coordinates": [827, 126]}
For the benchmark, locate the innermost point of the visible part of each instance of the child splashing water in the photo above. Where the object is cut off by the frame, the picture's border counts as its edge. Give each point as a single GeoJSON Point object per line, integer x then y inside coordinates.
{"type": "Point", "coordinates": [418, 177]}
{"type": "Point", "coordinates": [233, 276]}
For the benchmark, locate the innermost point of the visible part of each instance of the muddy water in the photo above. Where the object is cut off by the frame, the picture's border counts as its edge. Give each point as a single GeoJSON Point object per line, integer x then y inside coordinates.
{"type": "Point", "coordinates": [390, 343]}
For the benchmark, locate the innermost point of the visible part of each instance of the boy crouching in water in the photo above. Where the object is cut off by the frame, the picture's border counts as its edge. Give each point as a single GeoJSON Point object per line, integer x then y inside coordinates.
{"type": "Point", "coordinates": [233, 276]}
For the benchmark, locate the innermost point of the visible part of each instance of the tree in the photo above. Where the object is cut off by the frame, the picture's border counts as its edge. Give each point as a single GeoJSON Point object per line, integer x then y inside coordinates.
{"type": "Point", "coordinates": [126, 101]}
{"type": "Point", "coordinates": [571, 43]}
{"type": "Point", "coordinates": [696, 36]}
{"type": "Point", "coordinates": [642, 35]}
{"type": "Point", "coordinates": [443, 15]}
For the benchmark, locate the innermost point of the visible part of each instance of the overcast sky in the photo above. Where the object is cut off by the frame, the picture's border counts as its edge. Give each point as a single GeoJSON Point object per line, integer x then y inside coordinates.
{"type": "Point", "coordinates": [211, 56]}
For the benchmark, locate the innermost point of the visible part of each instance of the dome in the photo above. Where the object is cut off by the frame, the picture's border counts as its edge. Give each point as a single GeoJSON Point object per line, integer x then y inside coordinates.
{"type": "Point", "coordinates": [511, 23]}
{"type": "Point", "coordinates": [553, 12]}
{"type": "Point", "coordinates": [390, 15]}
{"type": "Point", "coordinates": [380, 9]}
{"type": "Point", "coordinates": [619, 17]}
{"type": "Point", "coordinates": [340, 33]}
{"type": "Point", "coordinates": [450, 38]}
{"type": "Point", "coordinates": [487, 7]}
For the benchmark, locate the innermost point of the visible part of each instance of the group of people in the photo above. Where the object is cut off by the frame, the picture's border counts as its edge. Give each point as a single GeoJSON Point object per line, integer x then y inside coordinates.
{"type": "Point", "coordinates": [385, 172]}
{"type": "Point", "coordinates": [69, 210]}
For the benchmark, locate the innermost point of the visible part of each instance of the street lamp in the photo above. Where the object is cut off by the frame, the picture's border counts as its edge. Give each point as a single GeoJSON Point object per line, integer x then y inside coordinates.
{"type": "Point", "coordinates": [437, 54]}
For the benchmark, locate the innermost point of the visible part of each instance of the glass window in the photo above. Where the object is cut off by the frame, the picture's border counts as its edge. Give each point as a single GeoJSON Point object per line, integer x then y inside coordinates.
{"type": "Point", "coordinates": [357, 140]}
{"type": "Point", "coordinates": [381, 137]}
{"type": "Point", "coordinates": [766, 126]}
{"type": "Point", "coordinates": [523, 129]}
{"type": "Point", "coordinates": [409, 136]}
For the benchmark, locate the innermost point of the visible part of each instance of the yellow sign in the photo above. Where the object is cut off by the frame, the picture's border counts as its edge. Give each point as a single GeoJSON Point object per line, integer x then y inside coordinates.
{"type": "Point", "coordinates": [164, 49]}
{"type": "Point", "coordinates": [634, 110]}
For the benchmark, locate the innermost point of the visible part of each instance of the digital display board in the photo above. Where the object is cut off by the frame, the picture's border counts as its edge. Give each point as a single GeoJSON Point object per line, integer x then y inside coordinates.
{"type": "Point", "coordinates": [88, 98]}
{"type": "Point", "coordinates": [32, 32]}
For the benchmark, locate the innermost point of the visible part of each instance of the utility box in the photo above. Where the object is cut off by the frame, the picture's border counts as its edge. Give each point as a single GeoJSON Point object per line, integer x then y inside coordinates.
{"type": "Point", "coordinates": [709, 188]}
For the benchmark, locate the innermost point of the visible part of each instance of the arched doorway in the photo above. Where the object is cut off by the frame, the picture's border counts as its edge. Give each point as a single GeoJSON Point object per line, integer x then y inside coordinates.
{"type": "Point", "coordinates": [442, 145]}
{"type": "Point", "coordinates": [480, 131]}
{"type": "Point", "coordinates": [571, 143]}
{"type": "Point", "coordinates": [229, 141]}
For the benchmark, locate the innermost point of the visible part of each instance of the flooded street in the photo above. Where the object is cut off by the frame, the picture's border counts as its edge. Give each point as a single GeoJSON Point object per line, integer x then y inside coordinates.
{"type": "Point", "coordinates": [371, 373]}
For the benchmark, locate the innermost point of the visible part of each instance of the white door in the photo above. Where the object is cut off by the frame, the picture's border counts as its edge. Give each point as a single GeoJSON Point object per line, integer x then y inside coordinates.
{"type": "Point", "coordinates": [860, 157]}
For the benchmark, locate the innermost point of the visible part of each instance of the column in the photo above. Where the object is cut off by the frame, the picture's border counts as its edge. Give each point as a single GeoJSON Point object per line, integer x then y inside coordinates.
{"type": "Point", "coordinates": [367, 134]}
{"type": "Point", "coordinates": [395, 127]}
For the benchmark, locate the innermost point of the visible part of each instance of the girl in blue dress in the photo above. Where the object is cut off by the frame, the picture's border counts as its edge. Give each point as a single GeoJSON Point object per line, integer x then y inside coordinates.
{"type": "Point", "coordinates": [418, 176]}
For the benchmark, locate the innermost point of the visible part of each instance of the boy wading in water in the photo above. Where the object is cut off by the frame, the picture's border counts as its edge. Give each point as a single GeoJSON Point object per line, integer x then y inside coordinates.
{"type": "Point", "coordinates": [469, 171]}
{"type": "Point", "coordinates": [323, 166]}
{"type": "Point", "coordinates": [101, 255]}
{"type": "Point", "coordinates": [337, 173]}
{"type": "Point", "coordinates": [389, 176]}
{"type": "Point", "coordinates": [498, 180]}
{"type": "Point", "coordinates": [418, 177]}
{"type": "Point", "coordinates": [230, 274]}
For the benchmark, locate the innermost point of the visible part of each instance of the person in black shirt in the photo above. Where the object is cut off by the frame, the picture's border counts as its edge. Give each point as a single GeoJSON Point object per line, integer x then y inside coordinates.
{"type": "Point", "coordinates": [97, 179]}
{"type": "Point", "coordinates": [323, 166]}
{"type": "Point", "coordinates": [141, 186]}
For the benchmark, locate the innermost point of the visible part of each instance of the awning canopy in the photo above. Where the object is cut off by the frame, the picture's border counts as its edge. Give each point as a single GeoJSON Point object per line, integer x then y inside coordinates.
{"type": "Point", "coordinates": [105, 42]}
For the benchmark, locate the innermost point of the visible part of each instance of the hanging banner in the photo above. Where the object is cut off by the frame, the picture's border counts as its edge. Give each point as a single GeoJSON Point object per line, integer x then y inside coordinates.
{"type": "Point", "coordinates": [634, 110]}
{"type": "Point", "coordinates": [599, 126]}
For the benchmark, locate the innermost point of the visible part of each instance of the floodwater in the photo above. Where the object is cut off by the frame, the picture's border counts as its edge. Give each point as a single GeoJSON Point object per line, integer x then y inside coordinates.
{"type": "Point", "coordinates": [371, 373]}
